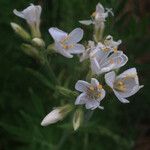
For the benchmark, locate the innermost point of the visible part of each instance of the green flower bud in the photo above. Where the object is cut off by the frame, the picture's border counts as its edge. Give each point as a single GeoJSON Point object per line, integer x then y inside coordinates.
{"type": "Point", "coordinates": [38, 42]}
{"type": "Point", "coordinates": [77, 118]}
{"type": "Point", "coordinates": [20, 31]}
{"type": "Point", "coordinates": [66, 92]}
{"type": "Point", "coordinates": [32, 51]}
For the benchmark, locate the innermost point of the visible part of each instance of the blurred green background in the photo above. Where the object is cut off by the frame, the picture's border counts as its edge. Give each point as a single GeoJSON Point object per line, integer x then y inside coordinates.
{"type": "Point", "coordinates": [25, 96]}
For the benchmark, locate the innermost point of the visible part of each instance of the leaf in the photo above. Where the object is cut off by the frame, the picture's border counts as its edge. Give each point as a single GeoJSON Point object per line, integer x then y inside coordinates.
{"type": "Point", "coordinates": [37, 102]}
{"type": "Point", "coordinates": [41, 78]}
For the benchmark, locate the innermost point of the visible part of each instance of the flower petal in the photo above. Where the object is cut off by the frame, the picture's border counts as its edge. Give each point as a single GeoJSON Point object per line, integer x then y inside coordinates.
{"type": "Point", "coordinates": [86, 22]}
{"type": "Point", "coordinates": [99, 8]}
{"type": "Point", "coordinates": [77, 49]}
{"type": "Point", "coordinates": [75, 36]}
{"type": "Point", "coordinates": [100, 54]}
{"type": "Point", "coordinates": [18, 13]}
{"type": "Point", "coordinates": [121, 99]}
{"type": "Point", "coordinates": [81, 99]}
{"type": "Point", "coordinates": [103, 94]}
{"type": "Point", "coordinates": [85, 55]}
{"type": "Point", "coordinates": [95, 65]}
{"type": "Point", "coordinates": [128, 72]}
{"type": "Point", "coordinates": [115, 61]}
{"type": "Point", "coordinates": [131, 82]}
{"type": "Point", "coordinates": [31, 14]}
{"type": "Point", "coordinates": [94, 82]}
{"type": "Point", "coordinates": [110, 78]}
{"type": "Point", "coordinates": [91, 104]}
{"type": "Point", "coordinates": [51, 118]}
{"type": "Point", "coordinates": [130, 91]}
{"type": "Point", "coordinates": [57, 34]}
{"type": "Point", "coordinates": [82, 86]}
{"type": "Point", "coordinates": [62, 51]}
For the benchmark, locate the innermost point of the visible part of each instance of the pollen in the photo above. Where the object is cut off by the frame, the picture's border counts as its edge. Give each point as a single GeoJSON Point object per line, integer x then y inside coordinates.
{"type": "Point", "coordinates": [67, 46]}
{"type": "Point", "coordinates": [120, 86]}
{"type": "Point", "coordinates": [105, 49]}
{"type": "Point", "coordinates": [99, 86]}
{"type": "Point", "coordinates": [120, 83]}
{"type": "Point", "coordinates": [93, 14]}
{"type": "Point", "coordinates": [91, 88]}
{"type": "Point", "coordinates": [115, 49]}
{"type": "Point", "coordinates": [99, 95]}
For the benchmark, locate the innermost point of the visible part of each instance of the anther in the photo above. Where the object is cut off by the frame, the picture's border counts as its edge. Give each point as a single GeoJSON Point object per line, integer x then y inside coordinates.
{"type": "Point", "coordinates": [99, 86]}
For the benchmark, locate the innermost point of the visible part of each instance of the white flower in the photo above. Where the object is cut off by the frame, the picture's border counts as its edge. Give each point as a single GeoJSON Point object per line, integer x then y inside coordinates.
{"type": "Point", "coordinates": [124, 85]}
{"type": "Point", "coordinates": [110, 43]}
{"type": "Point", "coordinates": [98, 17]}
{"type": "Point", "coordinates": [104, 60]}
{"type": "Point", "coordinates": [56, 115]}
{"type": "Point", "coordinates": [32, 15]}
{"type": "Point", "coordinates": [92, 94]}
{"type": "Point", "coordinates": [67, 44]}
{"type": "Point", "coordinates": [86, 54]}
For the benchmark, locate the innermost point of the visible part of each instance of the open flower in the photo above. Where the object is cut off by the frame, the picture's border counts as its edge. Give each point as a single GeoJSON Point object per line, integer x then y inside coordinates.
{"type": "Point", "coordinates": [86, 54]}
{"type": "Point", "coordinates": [123, 85]}
{"type": "Point", "coordinates": [110, 43]}
{"type": "Point", "coordinates": [67, 44]}
{"type": "Point", "coordinates": [104, 60]}
{"type": "Point", "coordinates": [92, 94]}
{"type": "Point", "coordinates": [98, 17]}
{"type": "Point", "coordinates": [32, 15]}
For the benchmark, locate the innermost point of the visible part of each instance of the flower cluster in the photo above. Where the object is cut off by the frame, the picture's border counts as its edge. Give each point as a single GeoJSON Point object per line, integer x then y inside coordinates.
{"type": "Point", "coordinates": [102, 53]}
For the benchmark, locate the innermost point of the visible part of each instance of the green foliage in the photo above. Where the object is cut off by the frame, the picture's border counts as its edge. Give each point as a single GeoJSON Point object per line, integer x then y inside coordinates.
{"type": "Point", "coordinates": [28, 91]}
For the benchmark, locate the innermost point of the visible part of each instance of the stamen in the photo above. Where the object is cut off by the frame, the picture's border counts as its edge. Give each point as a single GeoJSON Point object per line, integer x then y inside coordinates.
{"type": "Point", "coordinates": [120, 83]}
{"type": "Point", "coordinates": [120, 86]}
{"type": "Point", "coordinates": [91, 88]}
{"type": "Point", "coordinates": [105, 49]}
{"type": "Point", "coordinates": [67, 46]}
{"type": "Point", "coordinates": [99, 95]}
{"type": "Point", "coordinates": [115, 49]}
{"type": "Point", "coordinates": [99, 86]}
{"type": "Point", "coordinates": [93, 14]}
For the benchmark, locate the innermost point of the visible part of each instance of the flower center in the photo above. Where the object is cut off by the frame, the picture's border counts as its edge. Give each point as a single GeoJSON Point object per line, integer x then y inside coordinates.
{"type": "Point", "coordinates": [64, 44]}
{"type": "Point", "coordinates": [93, 91]}
{"type": "Point", "coordinates": [120, 86]}
{"type": "Point", "coordinates": [115, 50]}
{"type": "Point", "coordinates": [105, 49]}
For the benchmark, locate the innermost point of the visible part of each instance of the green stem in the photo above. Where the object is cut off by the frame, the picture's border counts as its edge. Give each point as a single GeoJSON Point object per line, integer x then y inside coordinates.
{"type": "Point", "coordinates": [50, 71]}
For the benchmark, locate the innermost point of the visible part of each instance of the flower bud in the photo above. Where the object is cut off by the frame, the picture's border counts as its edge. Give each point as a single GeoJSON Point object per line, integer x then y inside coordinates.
{"type": "Point", "coordinates": [66, 92]}
{"type": "Point", "coordinates": [51, 46]}
{"type": "Point", "coordinates": [20, 31]}
{"type": "Point", "coordinates": [56, 115]}
{"type": "Point", "coordinates": [38, 42]}
{"type": "Point", "coordinates": [77, 119]}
